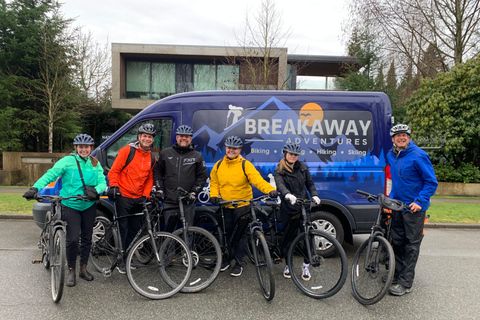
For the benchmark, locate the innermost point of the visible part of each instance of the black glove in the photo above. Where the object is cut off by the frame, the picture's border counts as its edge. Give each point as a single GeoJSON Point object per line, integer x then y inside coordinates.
{"type": "Point", "coordinates": [91, 194]}
{"type": "Point", "coordinates": [214, 200]}
{"type": "Point", "coordinates": [273, 194]}
{"type": "Point", "coordinates": [31, 194]}
{"type": "Point", "coordinates": [113, 193]}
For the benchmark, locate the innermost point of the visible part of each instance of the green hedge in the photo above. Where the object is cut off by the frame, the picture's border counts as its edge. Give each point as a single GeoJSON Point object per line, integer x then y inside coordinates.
{"type": "Point", "coordinates": [466, 173]}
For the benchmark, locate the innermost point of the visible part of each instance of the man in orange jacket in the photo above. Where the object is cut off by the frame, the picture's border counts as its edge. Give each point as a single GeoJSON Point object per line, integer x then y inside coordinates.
{"type": "Point", "coordinates": [131, 184]}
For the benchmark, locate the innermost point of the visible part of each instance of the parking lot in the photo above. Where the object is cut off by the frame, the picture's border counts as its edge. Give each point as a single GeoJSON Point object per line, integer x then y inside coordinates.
{"type": "Point", "coordinates": [446, 287]}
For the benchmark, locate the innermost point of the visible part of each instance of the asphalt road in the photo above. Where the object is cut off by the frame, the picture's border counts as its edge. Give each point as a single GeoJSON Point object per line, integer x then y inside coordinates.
{"type": "Point", "coordinates": [446, 287]}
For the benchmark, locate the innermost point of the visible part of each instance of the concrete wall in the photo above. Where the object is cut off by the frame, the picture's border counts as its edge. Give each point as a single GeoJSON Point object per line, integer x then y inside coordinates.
{"type": "Point", "coordinates": [458, 189]}
{"type": "Point", "coordinates": [26, 166]}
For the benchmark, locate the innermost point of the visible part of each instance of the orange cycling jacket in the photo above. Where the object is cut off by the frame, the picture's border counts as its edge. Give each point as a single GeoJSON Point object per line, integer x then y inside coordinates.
{"type": "Point", "coordinates": [136, 179]}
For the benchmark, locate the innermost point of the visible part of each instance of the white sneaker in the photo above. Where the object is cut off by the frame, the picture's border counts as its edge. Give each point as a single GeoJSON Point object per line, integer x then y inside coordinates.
{"type": "Point", "coordinates": [286, 273]}
{"type": "Point", "coordinates": [306, 272]}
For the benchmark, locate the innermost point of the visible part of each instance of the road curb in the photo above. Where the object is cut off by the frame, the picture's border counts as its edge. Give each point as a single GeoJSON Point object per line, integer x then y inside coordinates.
{"type": "Point", "coordinates": [9, 216]}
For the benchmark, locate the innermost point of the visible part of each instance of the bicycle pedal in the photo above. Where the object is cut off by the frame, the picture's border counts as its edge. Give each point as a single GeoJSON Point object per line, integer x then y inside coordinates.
{"type": "Point", "coordinates": [107, 273]}
{"type": "Point", "coordinates": [34, 261]}
{"type": "Point", "coordinates": [277, 260]}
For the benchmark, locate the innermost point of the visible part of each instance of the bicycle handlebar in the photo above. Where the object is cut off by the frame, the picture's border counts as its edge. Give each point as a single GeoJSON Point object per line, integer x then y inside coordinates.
{"type": "Point", "coordinates": [237, 201]}
{"type": "Point", "coordinates": [385, 202]}
{"type": "Point", "coordinates": [41, 198]}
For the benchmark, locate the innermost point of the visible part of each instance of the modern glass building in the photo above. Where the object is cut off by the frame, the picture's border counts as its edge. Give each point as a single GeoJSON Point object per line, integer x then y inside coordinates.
{"type": "Point", "coordinates": [142, 74]}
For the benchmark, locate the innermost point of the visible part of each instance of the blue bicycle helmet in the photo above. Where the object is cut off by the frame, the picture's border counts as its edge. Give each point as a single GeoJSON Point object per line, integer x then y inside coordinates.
{"type": "Point", "coordinates": [83, 139]}
{"type": "Point", "coordinates": [292, 148]}
{"type": "Point", "coordinates": [185, 130]}
{"type": "Point", "coordinates": [234, 142]}
{"type": "Point", "coordinates": [400, 128]}
{"type": "Point", "coordinates": [147, 128]}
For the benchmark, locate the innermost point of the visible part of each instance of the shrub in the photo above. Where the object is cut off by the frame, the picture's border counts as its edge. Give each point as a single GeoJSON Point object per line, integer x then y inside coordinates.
{"type": "Point", "coordinates": [466, 173]}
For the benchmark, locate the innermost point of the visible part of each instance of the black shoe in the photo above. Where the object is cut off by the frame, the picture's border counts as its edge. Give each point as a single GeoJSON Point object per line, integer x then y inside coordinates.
{"type": "Point", "coordinates": [237, 270]}
{"type": "Point", "coordinates": [121, 268]}
{"type": "Point", "coordinates": [84, 274]}
{"type": "Point", "coordinates": [225, 266]}
{"type": "Point", "coordinates": [71, 278]}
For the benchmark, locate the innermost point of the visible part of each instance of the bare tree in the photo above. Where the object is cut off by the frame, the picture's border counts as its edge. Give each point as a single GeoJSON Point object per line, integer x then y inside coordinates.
{"type": "Point", "coordinates": [413, 29]}
{"type": "Point", "coordinates": [261, 54]}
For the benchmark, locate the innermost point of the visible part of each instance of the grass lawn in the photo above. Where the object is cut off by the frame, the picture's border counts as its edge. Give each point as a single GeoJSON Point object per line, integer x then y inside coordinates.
{"type": "Point", "coordinates": [439, 212]}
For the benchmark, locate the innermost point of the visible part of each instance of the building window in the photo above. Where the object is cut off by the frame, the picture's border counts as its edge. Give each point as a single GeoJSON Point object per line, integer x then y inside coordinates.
{"type": "Point", "coordinates": [138, 79]}
{"type": "Point", "coordinates": [163, 80]}
{"type": "Point", "coordinates": [315, 83]}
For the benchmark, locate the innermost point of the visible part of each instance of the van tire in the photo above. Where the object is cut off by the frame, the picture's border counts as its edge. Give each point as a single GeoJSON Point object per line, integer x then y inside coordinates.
{"type": "Point", "coordinates": [329, 223]}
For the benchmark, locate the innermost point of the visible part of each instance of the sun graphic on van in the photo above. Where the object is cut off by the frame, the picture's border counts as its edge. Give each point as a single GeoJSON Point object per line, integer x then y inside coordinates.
{"type": "Point", "coordinates": [311, 112]}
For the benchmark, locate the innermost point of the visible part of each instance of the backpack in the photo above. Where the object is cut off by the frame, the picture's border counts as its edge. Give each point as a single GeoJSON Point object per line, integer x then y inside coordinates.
{"type": "Point", "coordinates": [132, 154]}
{"type": "Point", "coordinates": [243, 167]}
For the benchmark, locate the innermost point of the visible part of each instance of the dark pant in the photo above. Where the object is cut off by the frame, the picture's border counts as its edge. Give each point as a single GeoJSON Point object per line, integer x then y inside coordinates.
{"type": "Point", "coordinates": [129, 226]}
{"type": "Point", "coordinates": [79, 226]}
{"type": "Point", "coordinates": [231, 217]}
{"type": "Point", "coordinates": [289, 229]}
{"type": "Point", "coordinates": [189, 210]}
{"type": "Point", "coordinates": [407, 235]}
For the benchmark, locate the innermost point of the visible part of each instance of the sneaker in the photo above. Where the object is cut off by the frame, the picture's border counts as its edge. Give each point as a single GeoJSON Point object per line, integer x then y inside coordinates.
{"type": "Point", "coordinates": [286, 273]}
{"type": "Point", "coordinates": [121, 268]}
{"type": "Point", "coordinates": [306, 272]}
{"type": "Point", "coordinates": [225, 266]}
{"type": "Point", "coordinates": [237, 270]}
{"type": "Point", "coordinates": [133, 266]}
{"type": "Point", "coordinates": [399, 290]}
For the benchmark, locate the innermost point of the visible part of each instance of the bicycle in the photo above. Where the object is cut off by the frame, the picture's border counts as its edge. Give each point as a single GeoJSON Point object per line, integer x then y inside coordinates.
{"type": "Point", "coordinates": [204, 247]}
{"type": "Point", "coordinates": [158, 264]}
{"type": "Point", "coordinates": [53, 243]}
{"type": "Point", "coordinates": [324, 255]}
{"type": "Point", "coordinates": [246, 223]}
{"type": "Point", "coordinates": [374, 263]}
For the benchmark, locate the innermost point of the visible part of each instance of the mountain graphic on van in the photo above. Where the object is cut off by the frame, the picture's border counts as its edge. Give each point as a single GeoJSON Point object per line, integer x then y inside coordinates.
{"type": "Point", "coordinates": [341, 136]}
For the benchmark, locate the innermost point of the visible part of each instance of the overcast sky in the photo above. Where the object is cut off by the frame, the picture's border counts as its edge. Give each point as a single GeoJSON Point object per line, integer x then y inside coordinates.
{"type": "Point", "coordinates": [315, 24]}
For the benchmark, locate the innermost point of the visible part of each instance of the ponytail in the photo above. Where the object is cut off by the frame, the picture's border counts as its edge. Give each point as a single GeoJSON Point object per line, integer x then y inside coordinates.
{"type": "Point", "coordinates": [94, 161]}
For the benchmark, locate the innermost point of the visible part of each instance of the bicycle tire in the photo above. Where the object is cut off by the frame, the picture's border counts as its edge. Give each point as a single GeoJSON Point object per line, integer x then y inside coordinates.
{"type": "Point", "coordinates": [160, 279]}
{"type": "Point", "coordinates": [206, 255]}
{"type": "Point", "coordinates": [368, 285]}
{"type": "Point", "coordinates": [45, 249]}
{"type": "Point", "coordinates": [58, 264]}
{"type": "Point", "coordinates": [209, 223]}
{"type": "Point", "coordinates": [104, 245]}
{"type": "Point", "coordinates": [263, 264]}
{"type": "Point", "coordinates": [268, 234]}
{"type": "Point", "coordinates": [327, 274]}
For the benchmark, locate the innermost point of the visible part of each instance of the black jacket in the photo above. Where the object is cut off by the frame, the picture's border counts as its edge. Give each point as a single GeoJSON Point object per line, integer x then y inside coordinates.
{"type": "Point", "coordinates": [177, 166]}
{"type": "Point", "coordinates": [296, 183]}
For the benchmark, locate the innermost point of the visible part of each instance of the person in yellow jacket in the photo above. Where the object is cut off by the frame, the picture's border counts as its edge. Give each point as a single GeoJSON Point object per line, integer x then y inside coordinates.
{"type": "Point", "coordinates": [230, 179]}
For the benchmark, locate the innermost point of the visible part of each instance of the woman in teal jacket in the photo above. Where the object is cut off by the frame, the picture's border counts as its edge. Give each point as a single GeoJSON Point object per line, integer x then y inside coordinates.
{"type": "Point", "coordinates": [79, 215]}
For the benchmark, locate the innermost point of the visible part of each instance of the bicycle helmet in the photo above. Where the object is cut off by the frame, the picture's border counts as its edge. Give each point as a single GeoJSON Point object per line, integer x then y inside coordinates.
{"type": "Point", "coordinates": [83, 139]}
{"type": "Point", "coordinates": [185, 130]}
{"type": "Point", "coordinates": [292, 148]}
{"type": "Point", "coordinates": [147, 128]}
{"type": "Point", "coordinates": [400, 128]}
{"type": "Point", "coordinates": [234, 142]}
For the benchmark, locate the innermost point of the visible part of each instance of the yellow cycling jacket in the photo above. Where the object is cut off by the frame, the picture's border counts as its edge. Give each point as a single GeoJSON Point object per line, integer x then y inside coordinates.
{"type": "Point", "coordinates": [229, 182]}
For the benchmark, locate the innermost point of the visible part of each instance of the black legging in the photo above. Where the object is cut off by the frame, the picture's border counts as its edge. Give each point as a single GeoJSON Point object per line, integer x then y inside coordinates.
{"type": "Point", "coordinates": [79, 226]}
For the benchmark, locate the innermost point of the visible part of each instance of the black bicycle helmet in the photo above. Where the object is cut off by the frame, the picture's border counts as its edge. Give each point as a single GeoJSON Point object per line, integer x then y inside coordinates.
{"type": "Point", "coordinates": [83, 139]}
{"type": "Point", "coordinates": [234, 142]}
{"type": "Point", "coordinates": [400, 128]}
{"type": "Point", "coordinates": [147, 128]}
{"type": "Point", "coordinates": [185, 130]}
{"type": "Point", "coordinates": [292, 148]}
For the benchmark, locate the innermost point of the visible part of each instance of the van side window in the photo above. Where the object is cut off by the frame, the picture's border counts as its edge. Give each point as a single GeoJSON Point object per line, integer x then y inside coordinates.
{"type": "Point", "coordinates": [162, 140]}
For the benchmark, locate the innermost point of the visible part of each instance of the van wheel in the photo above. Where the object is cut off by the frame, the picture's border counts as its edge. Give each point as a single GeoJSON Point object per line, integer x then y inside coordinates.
{"type": "Point", "coordinates": [329, 223]}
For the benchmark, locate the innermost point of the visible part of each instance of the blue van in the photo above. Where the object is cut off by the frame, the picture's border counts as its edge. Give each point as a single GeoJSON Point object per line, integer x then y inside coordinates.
{"type": "Point", "coordinates": [344, 137]}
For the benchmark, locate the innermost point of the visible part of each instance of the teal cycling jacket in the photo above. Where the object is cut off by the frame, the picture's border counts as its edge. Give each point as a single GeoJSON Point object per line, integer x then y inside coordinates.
{"type": "Point", "coordinates": [67, 169]}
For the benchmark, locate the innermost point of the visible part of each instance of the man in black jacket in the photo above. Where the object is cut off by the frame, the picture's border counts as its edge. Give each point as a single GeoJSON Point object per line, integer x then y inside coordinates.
{"type": "Point", "coordinates": [180, 166]}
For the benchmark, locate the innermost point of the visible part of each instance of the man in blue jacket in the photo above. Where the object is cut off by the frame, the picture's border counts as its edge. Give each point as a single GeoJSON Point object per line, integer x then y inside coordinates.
{"type": "Point", "coordinates": [413, 182]}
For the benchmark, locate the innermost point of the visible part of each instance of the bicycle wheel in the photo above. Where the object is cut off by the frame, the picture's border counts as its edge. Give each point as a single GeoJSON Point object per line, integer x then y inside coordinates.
{"type": "Point", "coordinates": [164, 275]}
{"type": "Point", "coordinates": [371, 283]}
{"type": "Point", "coordinates": [58, 264]}
{"type": "Point", "coordinates": [268, 234]}
{"type": "Point", "coordinates": [206, 255]}
{"type": "Point", "coordinates": [209, 223]}
{"type": "Point", "coordinates": [104, 242]}
{"type": "Point", "coordinates": [263, 264]}
{"type": "Point", "coordinates": [324, 276]}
